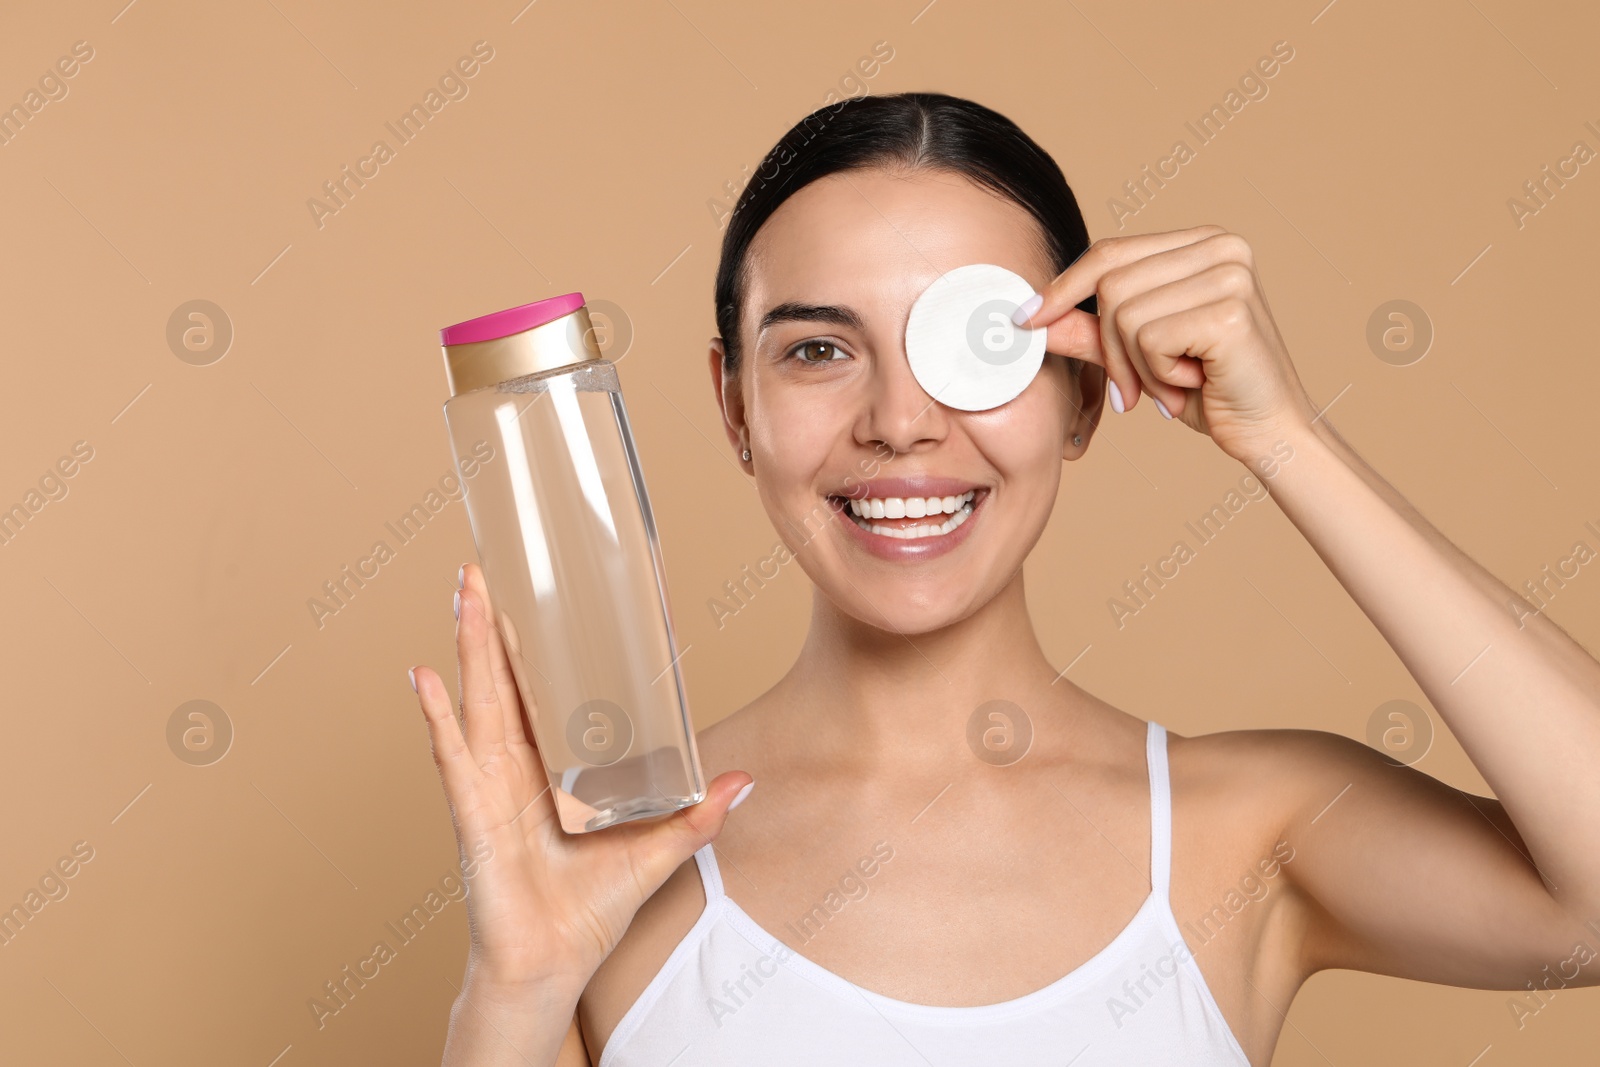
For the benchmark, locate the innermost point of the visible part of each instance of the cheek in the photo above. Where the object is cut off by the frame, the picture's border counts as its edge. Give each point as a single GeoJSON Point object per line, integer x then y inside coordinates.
{"type": "Point", "coordinates": [1026, 435]}
{"type": "Point", "coordinates": [793, 431]}
{"type": "Point", "coordinates": [1022, 441]}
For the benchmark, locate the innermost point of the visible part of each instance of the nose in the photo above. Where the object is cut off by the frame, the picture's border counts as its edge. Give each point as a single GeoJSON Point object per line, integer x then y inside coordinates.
{"type": "Point", "coordinates": [897, 411]}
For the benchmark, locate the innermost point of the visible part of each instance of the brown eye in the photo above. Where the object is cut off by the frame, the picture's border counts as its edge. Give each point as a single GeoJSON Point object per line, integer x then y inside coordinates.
{"type": "Point", "coordinates": [817, 352]}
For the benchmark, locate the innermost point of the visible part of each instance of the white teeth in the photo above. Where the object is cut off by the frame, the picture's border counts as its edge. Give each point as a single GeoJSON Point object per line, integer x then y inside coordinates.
{"type": "Point", "coordinates": [891, 507]}
{"type": "Point", "coordinates": [959, 507]}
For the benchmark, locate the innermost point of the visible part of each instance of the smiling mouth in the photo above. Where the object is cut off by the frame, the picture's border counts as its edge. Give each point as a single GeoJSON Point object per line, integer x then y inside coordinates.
{"type": "Point", "coordinates": [911, 518]}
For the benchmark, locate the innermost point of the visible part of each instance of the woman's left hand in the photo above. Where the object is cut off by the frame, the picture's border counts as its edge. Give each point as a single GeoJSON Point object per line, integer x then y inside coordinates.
{"type": "Point", "coordinates": [1182, 316]}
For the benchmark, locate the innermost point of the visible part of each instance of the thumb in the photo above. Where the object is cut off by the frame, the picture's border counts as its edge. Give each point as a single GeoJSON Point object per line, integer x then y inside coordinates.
{"type": "Point", "coordinates": [1075, 334]}
{"type": "Point", "coordinates": [679, 836]}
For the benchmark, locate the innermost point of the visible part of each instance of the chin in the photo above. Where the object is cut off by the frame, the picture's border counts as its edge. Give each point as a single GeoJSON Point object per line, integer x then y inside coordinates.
{"type": "Point", "coordinates": [906, 555]}
{"type": "Point", "coordinates": [897, 611]}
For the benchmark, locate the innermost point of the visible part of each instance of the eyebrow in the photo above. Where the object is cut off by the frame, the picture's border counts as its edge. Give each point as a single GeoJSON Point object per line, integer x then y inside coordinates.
{"type": "Point", "coordinates": [793, 311]}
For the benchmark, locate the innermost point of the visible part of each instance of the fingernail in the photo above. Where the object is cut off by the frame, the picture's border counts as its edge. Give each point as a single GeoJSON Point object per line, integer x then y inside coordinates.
{"type": "Point", "coordinates": [1116, 397]}
{"type": "Point", "coordinates": [1165, 414]}
{"type": "Point", "coordinates": [461, 576]}
{"type": "Point", "coordinates": [1026, 309]}
{"type": "Point", "coordinates": [738, 797]}
{"type": "Point", "coordinates": [412, 674]}
{"type": "Point", "coordinates": [458, 604]}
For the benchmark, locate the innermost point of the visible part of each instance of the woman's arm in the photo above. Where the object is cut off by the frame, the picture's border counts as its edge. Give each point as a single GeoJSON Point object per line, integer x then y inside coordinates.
{"type": "Point", "coordinates": [1520, 695]}
{"type": "Point", "coordinates": [1400, 873]}
{"type": "Point", "coordinates": [1523, 699]}
{"type": "Point", "coordinates": [515, 1028]}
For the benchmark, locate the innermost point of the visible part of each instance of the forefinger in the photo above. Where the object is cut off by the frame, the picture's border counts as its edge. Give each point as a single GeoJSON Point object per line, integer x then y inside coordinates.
{"type": "Point", "coordinates": [1080, 280]}
{"type": "Point", "coordinates": [499, 660]}
{"type": "Point", "coordinates": [480, 698]}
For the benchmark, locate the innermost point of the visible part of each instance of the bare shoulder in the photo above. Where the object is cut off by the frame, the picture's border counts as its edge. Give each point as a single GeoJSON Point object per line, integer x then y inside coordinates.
{"type": "Point", "coordinates": [1294, 776]}
{"type": "Point", "coordinates": [1331, 804]}
{"type": "Point", "coordinates": [1242, 801]}
{"type": "Point", "coordinates": [1234, 794]}
{"type": "Point", "coordinates": [1276, 771]}
{"type": "Point", "coordinates": [1244, 793]}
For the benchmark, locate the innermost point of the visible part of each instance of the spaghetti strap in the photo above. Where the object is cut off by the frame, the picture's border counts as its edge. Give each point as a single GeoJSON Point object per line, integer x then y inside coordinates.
{"type": "Point", "coordinates": [705, 858]}
{"type": "Point", "coordinates": [1160, 811]}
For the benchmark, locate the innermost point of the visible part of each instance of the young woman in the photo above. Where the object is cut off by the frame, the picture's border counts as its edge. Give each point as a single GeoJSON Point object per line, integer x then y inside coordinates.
{"type": "Point", "coordinates": [895, 894]}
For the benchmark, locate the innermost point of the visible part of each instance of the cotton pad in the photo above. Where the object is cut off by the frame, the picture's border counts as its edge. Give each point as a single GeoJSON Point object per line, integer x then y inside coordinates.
{"type": "Point", "coordinates": [963, 347]}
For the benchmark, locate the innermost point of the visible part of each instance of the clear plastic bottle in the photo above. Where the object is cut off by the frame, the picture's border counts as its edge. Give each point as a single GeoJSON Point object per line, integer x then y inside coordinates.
{"type": "Point", "coordinates": [569, 552]}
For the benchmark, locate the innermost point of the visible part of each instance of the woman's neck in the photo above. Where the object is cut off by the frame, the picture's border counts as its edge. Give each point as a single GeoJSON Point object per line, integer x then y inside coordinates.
{"type": "Point", "coordinates": [862, 694]}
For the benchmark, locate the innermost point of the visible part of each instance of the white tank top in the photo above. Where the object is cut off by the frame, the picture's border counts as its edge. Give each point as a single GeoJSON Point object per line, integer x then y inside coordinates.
{"type": "Point", "coordinates": [732, 994]}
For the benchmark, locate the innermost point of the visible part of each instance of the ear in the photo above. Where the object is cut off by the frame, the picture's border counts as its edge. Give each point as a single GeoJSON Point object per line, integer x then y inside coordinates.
{"type": "Point", "coordinates": [1090, 389]}
{"type": "Point", "coordinates": [730, 399]}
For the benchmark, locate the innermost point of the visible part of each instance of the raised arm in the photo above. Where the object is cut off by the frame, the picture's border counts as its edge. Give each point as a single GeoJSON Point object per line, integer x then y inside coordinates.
{"type": "Point", "coordinates": [1407, 875]}
{"type": "Point", "coordinates": [1417, 878]}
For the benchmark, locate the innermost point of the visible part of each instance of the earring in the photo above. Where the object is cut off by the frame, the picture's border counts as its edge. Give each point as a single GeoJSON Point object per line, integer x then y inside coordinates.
{"type": "Point", "coordinates": [746, 455]}
{"type": "Point", "coordinates": [1077, 439]}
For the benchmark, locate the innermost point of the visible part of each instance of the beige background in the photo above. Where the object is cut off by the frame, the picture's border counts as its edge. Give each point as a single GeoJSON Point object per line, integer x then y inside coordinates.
{"type": "Point", "coordinates": [587, 155]}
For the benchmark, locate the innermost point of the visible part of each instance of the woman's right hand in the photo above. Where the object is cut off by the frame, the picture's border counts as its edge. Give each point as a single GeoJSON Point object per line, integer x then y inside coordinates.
{"type": "Point", "coordinates": [545, 908]}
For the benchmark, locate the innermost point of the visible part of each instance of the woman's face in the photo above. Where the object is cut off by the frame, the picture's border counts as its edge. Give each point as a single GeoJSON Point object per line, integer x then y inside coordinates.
{"type": "Point", "coordinates": [832, 414]}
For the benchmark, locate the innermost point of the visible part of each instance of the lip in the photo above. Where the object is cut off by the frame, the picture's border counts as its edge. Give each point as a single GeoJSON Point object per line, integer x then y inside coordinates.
{"type": "Point", "coordinates": [895, 550]}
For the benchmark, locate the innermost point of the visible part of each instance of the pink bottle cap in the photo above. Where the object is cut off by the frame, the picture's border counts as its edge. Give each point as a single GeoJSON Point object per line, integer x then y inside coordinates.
{"type": "Point", "coordinates": [510, 321]}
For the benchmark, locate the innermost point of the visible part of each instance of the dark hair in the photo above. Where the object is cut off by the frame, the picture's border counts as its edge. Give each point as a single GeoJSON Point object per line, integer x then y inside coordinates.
{"type": "Point", "coordinates": [913, 130]}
